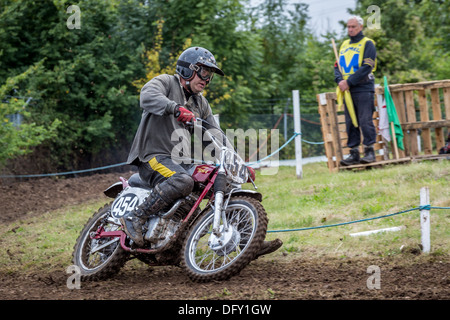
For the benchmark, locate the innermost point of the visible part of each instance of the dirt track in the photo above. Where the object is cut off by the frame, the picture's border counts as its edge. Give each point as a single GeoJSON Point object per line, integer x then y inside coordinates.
{"type": "Point", "coordinates": [278, 276]}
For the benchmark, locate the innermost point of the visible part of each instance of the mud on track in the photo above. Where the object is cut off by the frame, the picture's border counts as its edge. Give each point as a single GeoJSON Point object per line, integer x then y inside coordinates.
{"type": "Point", "coordinates": [278, 276]}
{"type": "Point", "coordinates": [273, 277]}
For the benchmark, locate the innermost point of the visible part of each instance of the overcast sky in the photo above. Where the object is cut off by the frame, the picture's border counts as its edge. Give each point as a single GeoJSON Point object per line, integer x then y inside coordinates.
{"type": "Point", "coordinates": [325, 14]}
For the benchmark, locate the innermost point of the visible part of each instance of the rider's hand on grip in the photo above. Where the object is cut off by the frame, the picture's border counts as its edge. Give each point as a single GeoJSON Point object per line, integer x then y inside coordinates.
{"type": "Point", "coordinates": [184, 115]}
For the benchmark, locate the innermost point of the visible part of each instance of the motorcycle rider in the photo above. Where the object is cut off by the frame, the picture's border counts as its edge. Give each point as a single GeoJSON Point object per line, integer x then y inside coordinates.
{"type": "Point", "coordinates": [168, 102]}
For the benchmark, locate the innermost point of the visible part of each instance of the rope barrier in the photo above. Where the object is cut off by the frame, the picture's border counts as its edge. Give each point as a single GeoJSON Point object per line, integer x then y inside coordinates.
{"type": "Point", "coordinates": [278, 150]}
{"type": "Point", "coordinates": [276, 126]}
{"type": "Point", "coordinates": [426, 207]}
{"type": "Point", "coordinates": [310, 142]}
{"type": "Point", "coordinates": [62, 173]}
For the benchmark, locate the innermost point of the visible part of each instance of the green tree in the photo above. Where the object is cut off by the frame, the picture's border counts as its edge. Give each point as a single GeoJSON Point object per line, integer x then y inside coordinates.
{"type": "Point", "coordinates": [283, 37]}
{"type": "Point", "coordinates": [221, 27]}
{"type": "Point", "coordinates": [413, 42]}
{"type": "Point", "coordinates": [85, 80]}
{"type": "Point", "coordinates": [88, 76]}
{"type": "Point", "coordinates": [17, 140]}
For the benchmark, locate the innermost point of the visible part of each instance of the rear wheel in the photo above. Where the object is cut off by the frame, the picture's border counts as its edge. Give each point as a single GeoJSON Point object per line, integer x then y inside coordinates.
{"type": "Point", "coordinates": [209, 257]}
{"type": "Point", "coordinates": [99, 258]}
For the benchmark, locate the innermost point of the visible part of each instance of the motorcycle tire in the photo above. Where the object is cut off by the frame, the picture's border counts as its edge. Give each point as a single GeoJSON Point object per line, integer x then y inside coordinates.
{"type": "Point", "coordinates": [207, 257]}
{"type": "Point", "coordinates": [104, 262]}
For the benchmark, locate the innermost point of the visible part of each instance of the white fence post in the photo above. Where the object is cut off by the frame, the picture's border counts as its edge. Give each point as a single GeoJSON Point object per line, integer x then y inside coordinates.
{"type": "Point", "coordinates": [298, 138]}
{"type": "Point", "coordinates": [425, 218]}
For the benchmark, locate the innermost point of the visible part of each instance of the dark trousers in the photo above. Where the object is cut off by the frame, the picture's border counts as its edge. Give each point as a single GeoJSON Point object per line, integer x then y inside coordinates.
{"type": "Point", "coordinates": [170, 179]}
{"type": "Point", "coordinates": [364, 105]}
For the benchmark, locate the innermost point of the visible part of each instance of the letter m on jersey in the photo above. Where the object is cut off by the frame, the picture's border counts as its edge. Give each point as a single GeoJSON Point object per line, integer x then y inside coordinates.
{"type": "Point", "coordinates": [354, 63]}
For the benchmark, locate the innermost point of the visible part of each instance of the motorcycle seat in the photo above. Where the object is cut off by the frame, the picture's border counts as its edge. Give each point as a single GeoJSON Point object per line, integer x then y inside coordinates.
{"type": "Point", "coordinates": [136, 181]}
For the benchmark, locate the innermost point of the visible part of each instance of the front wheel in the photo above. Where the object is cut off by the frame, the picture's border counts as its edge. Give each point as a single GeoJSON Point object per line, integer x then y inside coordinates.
{"type": "Point", "coordinates": [208, 257]}
{"type": "Point", "coordinates": [99, 258]}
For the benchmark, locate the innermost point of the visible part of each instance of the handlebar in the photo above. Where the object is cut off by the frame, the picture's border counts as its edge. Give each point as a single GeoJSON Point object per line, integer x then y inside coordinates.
{"type": "Point", "coordinates": [226, 147]}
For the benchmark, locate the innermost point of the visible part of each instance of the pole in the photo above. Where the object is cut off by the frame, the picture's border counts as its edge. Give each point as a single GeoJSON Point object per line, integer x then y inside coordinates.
{"type": "Point", "coordinates": [425, 218]}
{"type": "Point", "coordinates": [336, 54]}
{"type": "Point", "coordinates": [298, 138]}
{"type": "Point", "coordinates": [394, 141]}
{"type": "Point", "coordinates": [285, 119]}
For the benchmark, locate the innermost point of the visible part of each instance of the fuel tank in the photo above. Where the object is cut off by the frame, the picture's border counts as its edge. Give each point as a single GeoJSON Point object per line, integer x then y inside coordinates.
{"type": "Point", "coordinates": [203, 172]}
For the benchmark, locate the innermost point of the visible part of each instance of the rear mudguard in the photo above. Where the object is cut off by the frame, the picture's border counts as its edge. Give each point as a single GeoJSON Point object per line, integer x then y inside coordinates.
{"type": "Point", "coordinates": [113, 190]}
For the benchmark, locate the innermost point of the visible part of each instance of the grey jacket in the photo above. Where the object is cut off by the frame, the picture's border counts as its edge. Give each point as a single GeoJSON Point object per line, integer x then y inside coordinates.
{"type": "Point", "coordinates": [159, 132]}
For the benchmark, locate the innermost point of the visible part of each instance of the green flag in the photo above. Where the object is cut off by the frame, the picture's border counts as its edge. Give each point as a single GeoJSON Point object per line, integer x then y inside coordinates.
{"type": "Point", "coordinates": [392, 115]}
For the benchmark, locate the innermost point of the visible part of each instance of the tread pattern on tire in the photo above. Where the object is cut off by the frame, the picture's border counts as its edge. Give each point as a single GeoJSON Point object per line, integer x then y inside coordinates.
{"type": "Point", "coordinates": [247, 256]}
{"type": "Point", "coordinates": [116, 262]}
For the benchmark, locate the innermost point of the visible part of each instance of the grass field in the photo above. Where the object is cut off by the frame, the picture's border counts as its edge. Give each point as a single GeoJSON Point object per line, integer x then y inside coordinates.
{"type": "Point", "coordinates": [319, 198]}
{"type": "Point", "coordinates": [323, 198]}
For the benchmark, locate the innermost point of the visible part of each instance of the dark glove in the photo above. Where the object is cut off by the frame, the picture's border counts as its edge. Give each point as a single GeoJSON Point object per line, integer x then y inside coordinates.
{"type": "Point", "coordinates": [183, 115]}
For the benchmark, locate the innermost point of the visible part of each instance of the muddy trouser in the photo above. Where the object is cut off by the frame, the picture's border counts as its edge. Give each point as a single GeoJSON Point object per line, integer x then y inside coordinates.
{"type": "Point", "coordinates": [172, 180]}
{"type": "Point", "coordinates": [364, 106]}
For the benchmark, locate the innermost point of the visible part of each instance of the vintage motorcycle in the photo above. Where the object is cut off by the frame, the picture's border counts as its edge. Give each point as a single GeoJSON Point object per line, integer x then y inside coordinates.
{"type": "Point", "coordinates": [213, 243]}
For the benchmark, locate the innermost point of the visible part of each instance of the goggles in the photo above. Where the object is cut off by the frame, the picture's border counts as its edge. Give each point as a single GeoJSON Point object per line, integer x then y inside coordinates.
{"type": "Point", "coordinates": [203, 72]}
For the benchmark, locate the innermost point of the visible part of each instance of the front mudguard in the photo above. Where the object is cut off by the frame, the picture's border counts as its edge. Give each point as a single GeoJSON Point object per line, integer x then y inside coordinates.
{"type": "Point", "coordinates": [237, 192]}
{"type": "Point", "coordinates": [249, 193]}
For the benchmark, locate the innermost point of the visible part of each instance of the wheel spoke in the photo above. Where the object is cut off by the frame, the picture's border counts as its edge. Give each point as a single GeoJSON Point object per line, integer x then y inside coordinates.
{"type": "Point", "coordinates": [229, 247]}
{"type": "Point", "coordinates": [97, 251]}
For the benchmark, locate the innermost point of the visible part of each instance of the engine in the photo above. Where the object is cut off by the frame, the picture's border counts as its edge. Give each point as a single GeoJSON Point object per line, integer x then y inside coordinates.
{"type": "Point", "coordinates": [160, 231]}
{"type": "Point", "coordinates": [162, 227]}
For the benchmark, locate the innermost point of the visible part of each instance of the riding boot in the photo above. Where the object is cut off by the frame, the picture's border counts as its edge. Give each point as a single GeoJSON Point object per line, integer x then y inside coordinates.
{"type": "Point", "coordinates": [134, 221]}
{"type": "Point", "coordinates": [369, 155]}
{"type": "Point", "coordinates": [352, 159]}
{"type": "Point", "coordinates": [269, 247]}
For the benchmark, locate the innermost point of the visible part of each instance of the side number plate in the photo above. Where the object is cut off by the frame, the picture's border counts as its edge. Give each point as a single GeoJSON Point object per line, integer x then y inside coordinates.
{"type": "Point", "coordinates": [124, 204]}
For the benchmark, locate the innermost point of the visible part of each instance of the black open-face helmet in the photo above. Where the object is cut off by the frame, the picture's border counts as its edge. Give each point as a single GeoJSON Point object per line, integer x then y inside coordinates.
{"type": "Point", "coordinates": [200, 60]}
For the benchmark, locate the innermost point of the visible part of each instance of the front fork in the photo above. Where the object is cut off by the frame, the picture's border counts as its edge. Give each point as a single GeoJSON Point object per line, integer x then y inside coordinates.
{"type": "Point", "coordinates": [219, 210]}
{"type": "Point", "coordinates": [219, 214]}
{"type": "Point", "coordinates": [220, 185]}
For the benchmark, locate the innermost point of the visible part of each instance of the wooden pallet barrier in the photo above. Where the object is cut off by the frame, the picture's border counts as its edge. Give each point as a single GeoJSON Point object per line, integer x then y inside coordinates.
{"type": "Point", "coordinates": [424, 127]}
